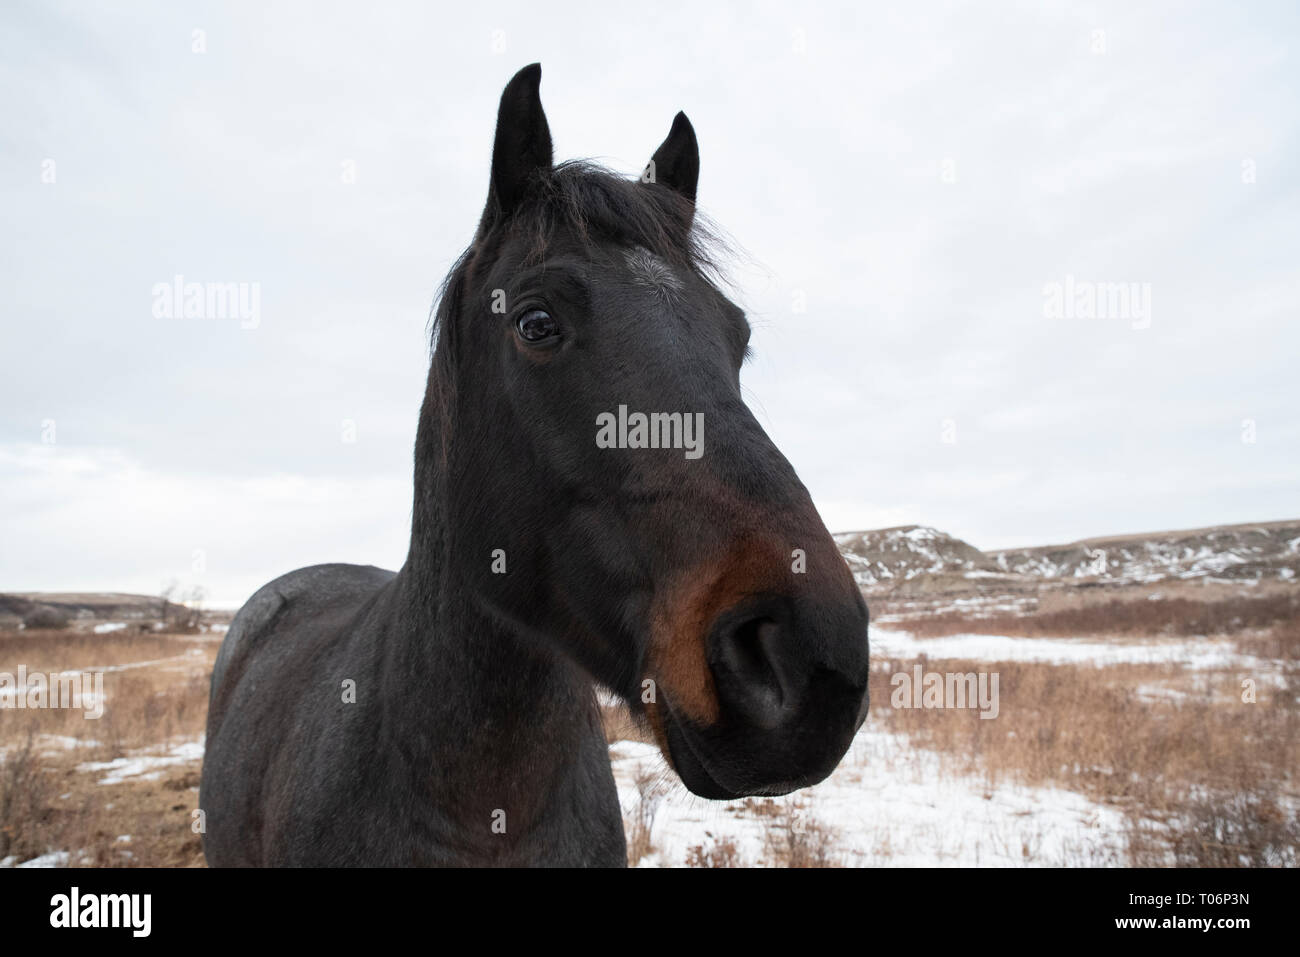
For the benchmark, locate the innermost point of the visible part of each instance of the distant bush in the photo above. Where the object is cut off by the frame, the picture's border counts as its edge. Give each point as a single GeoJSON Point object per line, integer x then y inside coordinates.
{"type": "Point", "coordinates": [10, 622]}
{"type": "Point", "coordinates": [46, 617]}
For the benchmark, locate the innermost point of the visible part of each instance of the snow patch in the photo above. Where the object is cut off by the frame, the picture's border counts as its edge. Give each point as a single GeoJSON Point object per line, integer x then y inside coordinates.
{"type": "Point", "coordinates": [147, 765]}
{"type": "Point", "coordinates": [1196, 654]}
{"type": "Point", "coordinates": [889, 803]}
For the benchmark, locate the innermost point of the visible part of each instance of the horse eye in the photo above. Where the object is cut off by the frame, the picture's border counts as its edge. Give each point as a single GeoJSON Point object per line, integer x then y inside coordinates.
{"type": "Point", "coordinates": [536, 325]}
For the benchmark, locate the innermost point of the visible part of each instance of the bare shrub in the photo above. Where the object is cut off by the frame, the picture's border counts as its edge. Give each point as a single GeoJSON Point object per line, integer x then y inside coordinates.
{"type": "Point", "coordinates": [650, 794]}
{"type": "Point", "coordinates": [715, 852]}
{"type": "Point", "coordinates": [24, 791]}
{"type": "Point", "coordinates": [796, 839]}
{"type": "Point", "coordinates": [46, 618]}
{"type": "Point", "coordinates": [1223, 829]}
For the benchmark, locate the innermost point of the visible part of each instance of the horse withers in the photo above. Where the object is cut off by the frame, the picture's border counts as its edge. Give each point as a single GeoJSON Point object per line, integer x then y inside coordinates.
{"type": "Point", "coordinates": [595, 507]}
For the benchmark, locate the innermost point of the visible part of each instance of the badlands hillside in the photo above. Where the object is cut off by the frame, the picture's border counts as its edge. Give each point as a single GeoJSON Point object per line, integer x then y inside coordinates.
{"type": "Point", "coordinates": [915, 561]}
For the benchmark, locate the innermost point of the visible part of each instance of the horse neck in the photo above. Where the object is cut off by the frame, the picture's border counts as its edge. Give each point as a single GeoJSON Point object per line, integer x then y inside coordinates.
{"type": "Point", "coordinates": [495, 710]}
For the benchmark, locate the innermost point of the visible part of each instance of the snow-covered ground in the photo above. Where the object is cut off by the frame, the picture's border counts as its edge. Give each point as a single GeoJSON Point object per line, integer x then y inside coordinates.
{"type": "Point", "coordinates": [1194, 653]}
{"type": "Point", "coordinates": [887, 804]}
{"type": "Point", "coordinates": [52, 859]}
{"type": "Point", "coordinates": [147, 765]}
{"type": "Point", "coordinates": [51, 744]}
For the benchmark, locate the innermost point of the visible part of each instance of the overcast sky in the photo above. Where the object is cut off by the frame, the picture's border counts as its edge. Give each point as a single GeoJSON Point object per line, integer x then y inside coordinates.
{"type": "Point", "coordinates": [908, 181]}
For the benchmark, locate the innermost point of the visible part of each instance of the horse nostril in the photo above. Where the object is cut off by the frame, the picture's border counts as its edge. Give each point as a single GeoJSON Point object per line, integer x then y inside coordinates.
{"type": "Point", "coordinates": [746, 665]}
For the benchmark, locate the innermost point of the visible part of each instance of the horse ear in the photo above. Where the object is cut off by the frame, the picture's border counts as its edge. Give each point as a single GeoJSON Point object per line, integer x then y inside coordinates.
{"type": "Point", "coordinates": [676, 163]}
{"type": "Point", "coordinates": [522, 147]}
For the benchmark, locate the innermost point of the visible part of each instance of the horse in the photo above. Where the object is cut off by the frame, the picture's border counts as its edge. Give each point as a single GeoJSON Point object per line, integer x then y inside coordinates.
{"type": "Point", "coordinates": [448, 714]}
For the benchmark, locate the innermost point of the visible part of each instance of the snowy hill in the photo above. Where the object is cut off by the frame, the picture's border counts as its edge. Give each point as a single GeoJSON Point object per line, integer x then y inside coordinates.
{"type": "Point", "coordinates": [916, 559]}
{"type": "Point", "coordinates": [890, 556]}
{"type": "Point", "coordinates": [1226, 553]}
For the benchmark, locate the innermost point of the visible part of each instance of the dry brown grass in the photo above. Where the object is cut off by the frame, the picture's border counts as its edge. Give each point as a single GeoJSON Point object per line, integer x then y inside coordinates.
{"type": "Point", "coordinates": [1152, 616]}
{"type": "Point", "coordinates": [1206, 777]}
{"type": "Point", "coordinates": [51, 802]}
